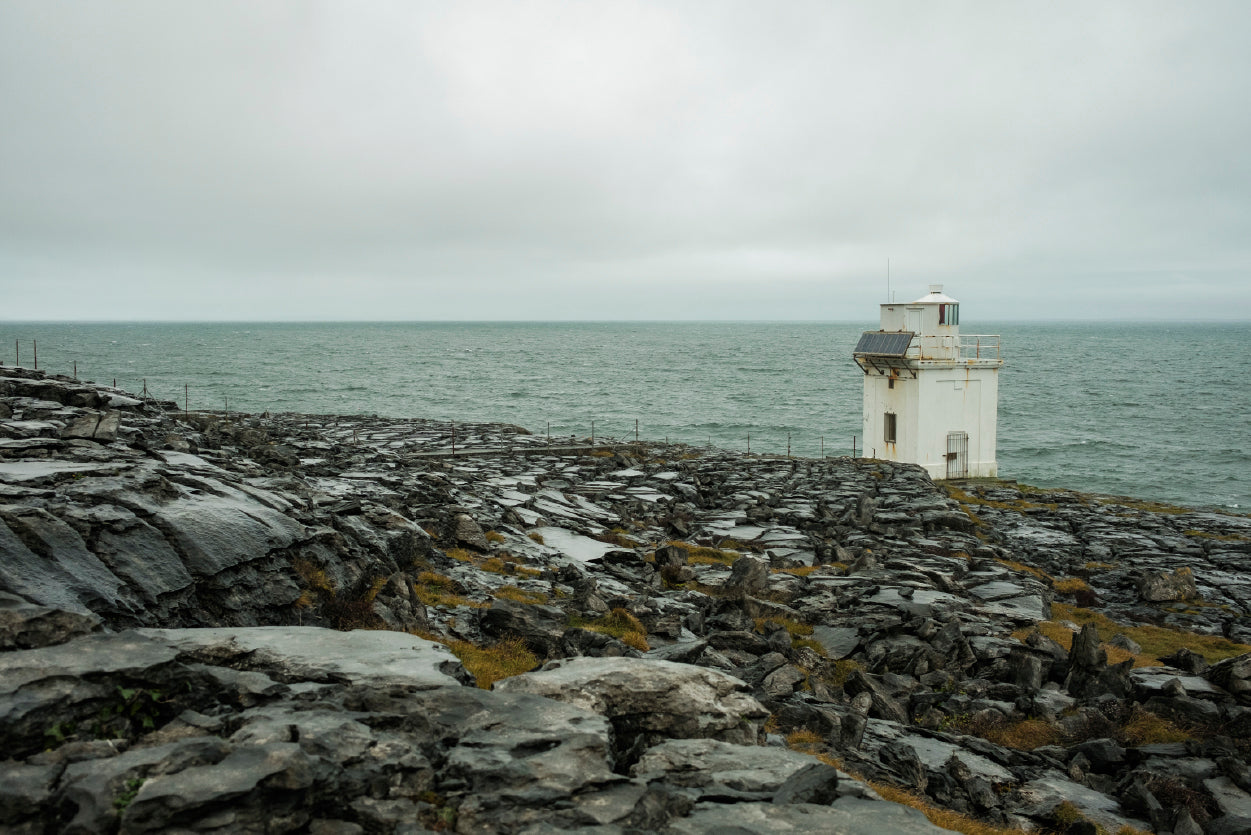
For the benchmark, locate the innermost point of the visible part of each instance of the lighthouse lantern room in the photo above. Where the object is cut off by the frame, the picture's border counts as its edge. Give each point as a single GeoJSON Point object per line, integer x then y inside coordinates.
{"type": "Point", "coordinates": [931, 395]}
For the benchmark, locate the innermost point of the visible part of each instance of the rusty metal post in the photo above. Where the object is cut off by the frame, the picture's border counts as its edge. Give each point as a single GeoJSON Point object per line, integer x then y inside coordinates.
{"type": "Point", "coordinates": [788, 444]}
{"type": "Point", "coordinates": [36, 344]}
{"type": "Point", "coordinates": [592, 432]}
{"type": "Point", "coordinates": [549, 433]}
{"type": "Point", "coordinates": [636, 432]}
{"type": "Point", "coordinates": [75, 369]}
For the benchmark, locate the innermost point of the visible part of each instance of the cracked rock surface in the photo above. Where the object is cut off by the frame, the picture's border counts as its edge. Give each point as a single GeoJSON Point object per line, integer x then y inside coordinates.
{"type": "Point", "coordinates": [248, 623]}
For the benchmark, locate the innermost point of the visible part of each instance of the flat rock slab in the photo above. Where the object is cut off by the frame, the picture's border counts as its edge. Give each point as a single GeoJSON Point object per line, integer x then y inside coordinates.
{"type": "Point", "coordinates": [573, 545]}
{"type": "Point", "coordinates": [933, 753]}
{"type": "Point", "coordinates": [1044, 794]}
{"type": "Point", "coordinates": [92, 655]}
{"type": "Point", "coordinates": [650, 697]}
{"type": "Point", "coordinates": [839, 641]}
{"type": "Point", "coordinates": [702, 762]}
{"type": "Point", "coordinates": [1154, 679]}
{"type": "Point", "coordinates": [20, 471]}
{"type": "Point", "coordinates": [847, 816]}
{"type": "Point", "coordinates": [306, 653]}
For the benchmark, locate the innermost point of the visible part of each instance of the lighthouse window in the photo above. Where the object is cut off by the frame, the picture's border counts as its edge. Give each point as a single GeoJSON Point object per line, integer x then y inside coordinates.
{"type": "Point", "coordinates": [949, 314]}
{"type": "Point", "coordinates": [888, 432]}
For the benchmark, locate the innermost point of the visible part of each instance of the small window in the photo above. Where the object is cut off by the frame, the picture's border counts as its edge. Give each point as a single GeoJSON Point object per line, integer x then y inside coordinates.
{"type": "Point", "coordinates": [889, 428]}
{"type": "Point", "coordinates": [890, 384]}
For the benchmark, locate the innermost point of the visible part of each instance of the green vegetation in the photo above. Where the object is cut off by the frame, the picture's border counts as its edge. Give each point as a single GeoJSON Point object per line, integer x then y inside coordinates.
{"type": "Point", "coordinates": [129, 789]}
{"type": "Point", "coordinates": [620, 624]}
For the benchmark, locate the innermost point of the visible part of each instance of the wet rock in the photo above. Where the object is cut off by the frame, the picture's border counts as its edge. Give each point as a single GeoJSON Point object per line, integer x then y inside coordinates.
{"type": "Point", "coordinates": [27, 626]}
{"type": "Point", "coordinates": [748, 576]}
{"type": "Point", "coordinates": [468, 532]}
{"type": "Point", "coordinates": [1163, 587]}
{"type": "Point", "coordinates": [542, 627]}
{"type": "Point", "coordinates": [648, 701]}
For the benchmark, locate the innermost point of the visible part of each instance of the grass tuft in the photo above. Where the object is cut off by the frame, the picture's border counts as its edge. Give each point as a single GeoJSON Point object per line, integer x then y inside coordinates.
{"type": "Point", "coordinates": [510, 657]}
{"type": "Point", "coordinates": [532, 598]}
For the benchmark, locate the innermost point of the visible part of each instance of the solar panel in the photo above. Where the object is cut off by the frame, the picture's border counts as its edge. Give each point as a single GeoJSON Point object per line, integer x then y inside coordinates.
{"type": "Point", "coordinates": [879, 344]}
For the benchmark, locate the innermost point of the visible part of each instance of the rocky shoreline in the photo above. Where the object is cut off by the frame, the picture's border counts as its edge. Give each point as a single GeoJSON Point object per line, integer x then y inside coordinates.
{"type": "Point", "coordinates": [274, 623]}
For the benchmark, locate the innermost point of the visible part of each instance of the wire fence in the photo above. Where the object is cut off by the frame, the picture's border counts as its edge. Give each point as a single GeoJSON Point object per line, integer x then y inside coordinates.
{"type": "Point", "coordinates": [762, 441]}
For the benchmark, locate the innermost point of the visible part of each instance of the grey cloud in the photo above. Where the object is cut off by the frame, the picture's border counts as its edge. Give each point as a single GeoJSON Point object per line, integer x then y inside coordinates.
{"type": "Point", "coordinates": [561, 160]}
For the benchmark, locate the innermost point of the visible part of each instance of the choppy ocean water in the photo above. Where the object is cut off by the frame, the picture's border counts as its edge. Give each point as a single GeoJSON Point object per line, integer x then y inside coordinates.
{"type": "Point", "coordinates": [1154, 410]}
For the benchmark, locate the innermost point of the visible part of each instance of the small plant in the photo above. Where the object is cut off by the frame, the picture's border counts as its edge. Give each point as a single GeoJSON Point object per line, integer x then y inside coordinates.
{"type": "Point", "coordinates": [702, 555]}
{"type": "Point", "coordinates": [1072, 585]}
{"type": "Point", "coordinates": [494, 536]}
{"type": "Point", "coordinates": [510, 657]}
{"type": "Point", "coordinates": [537, 537]}
{"type": "Point", "coordinates": [796, 628]}
{"type": "Point", "coordinates": [620, 624]}
{"type": "Point", "coordinates": [618, 537]}
{"type": "Point", "coordinates": [439, 590]}
{"type": "Point", "coordinates": [840, 671]}
{"type": "Point", "coordinates": [1029, 569]}
{"type": "Point", "coordinates": [532, 598]}
{"type": "Point", "coordinates": [1025, 735]}
{"type": "Point", "coordinates": [460, 555]}
{"type": "Point", "coordinates": [804, 741]}
{"type": "Point", "coordinates": [1146, 728]}
{"type": "Point", "coordinates": [129, 790]}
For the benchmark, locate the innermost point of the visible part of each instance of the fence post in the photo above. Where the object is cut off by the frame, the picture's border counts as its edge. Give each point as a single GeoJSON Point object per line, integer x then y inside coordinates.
{"type": "Point", "coordinates": [823, 446]}
{"type": "Point", "coordinates": [749, 443]}
{"type": "Point", "coordinates": [592, 432]}
{"type": "Point", "coordinates": [636, 432]}
{"type": "Point", "coordinates": [36, 344]}
{"type": "Point", "coordinates": [788, 444]}
{"type": "Point", "coordinates": [186, 399]}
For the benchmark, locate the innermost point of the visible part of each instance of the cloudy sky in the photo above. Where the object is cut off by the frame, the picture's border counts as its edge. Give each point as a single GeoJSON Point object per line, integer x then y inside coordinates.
{"type": "Point", "coordinates": [623, 160]}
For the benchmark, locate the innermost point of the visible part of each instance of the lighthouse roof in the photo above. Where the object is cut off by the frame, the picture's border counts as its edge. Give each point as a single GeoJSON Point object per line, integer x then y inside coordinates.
{"type": "Point", "coordinates": [936, 296]}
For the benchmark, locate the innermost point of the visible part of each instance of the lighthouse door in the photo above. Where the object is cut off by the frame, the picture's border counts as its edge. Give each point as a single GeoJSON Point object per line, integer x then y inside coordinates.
{"type": "Point", "coordinates": [957, 455]}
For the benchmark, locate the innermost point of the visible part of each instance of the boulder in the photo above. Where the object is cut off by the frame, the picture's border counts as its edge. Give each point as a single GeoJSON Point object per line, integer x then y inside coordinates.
{"type": "Point", "coordinates": [649, 701]}
{"type": "Point", "coordinates": [467, 531]}
{"type": "Point", "coordinates": [748, 576]}
{"type": "Point", "coordinates": [1167, 587]}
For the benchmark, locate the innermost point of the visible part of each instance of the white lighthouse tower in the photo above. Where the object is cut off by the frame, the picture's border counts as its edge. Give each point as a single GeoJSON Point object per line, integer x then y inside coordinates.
{"type": "Point", "coordinates": [931, 396]}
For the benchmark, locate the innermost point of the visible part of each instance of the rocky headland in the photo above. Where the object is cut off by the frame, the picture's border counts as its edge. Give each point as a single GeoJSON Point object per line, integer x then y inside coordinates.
{"type": "Point", "coordinates": [335, 624]}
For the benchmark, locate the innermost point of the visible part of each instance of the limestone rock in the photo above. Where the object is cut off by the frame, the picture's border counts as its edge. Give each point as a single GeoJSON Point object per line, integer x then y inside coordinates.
{"type": "Point", "coordinates": [1167, 587]}
{"type": "Point", "coordinates": [649, 701]}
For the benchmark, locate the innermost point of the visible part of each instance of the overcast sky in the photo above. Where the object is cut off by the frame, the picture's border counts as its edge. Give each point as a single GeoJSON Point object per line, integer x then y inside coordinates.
{"type": "Point", "coordinates": [623, 160]}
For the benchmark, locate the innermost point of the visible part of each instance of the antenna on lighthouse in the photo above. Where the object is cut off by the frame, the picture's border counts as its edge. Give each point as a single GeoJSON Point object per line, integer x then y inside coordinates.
{"type": "Point", "coordinates": [888, 280]}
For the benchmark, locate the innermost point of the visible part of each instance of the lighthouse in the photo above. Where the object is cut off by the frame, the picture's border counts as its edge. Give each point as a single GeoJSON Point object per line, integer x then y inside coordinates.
{"type": "Point", "coordinates": [931, 394]}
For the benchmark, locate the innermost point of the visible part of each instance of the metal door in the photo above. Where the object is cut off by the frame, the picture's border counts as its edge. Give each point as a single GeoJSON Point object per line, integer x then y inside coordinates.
{"type": "Point", "coordinates": [957, 455]}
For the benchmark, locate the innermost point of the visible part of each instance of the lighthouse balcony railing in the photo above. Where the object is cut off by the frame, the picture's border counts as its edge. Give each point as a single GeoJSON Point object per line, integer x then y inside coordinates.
{"type": "Point", "coordinates": [952, 348]}
{"type": "Point", "coordinates": [979, 346]}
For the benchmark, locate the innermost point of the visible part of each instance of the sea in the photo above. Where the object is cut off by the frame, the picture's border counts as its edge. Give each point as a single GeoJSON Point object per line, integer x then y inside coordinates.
{"type": "Point", "coordinates": [1158, 411]}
